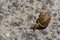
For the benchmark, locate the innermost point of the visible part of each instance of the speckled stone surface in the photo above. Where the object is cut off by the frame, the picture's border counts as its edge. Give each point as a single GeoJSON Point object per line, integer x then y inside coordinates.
{"type": "Point", "coordinates": [17, 16]}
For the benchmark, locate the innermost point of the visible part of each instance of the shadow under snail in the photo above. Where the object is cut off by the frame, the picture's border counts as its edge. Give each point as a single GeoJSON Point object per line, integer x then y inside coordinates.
{"type": "Point", "coordinates": [42, 21]}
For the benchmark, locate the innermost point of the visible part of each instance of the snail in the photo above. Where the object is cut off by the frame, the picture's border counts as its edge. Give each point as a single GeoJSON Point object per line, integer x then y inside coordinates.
{"type": "Point", "coordinates": [42, 21]}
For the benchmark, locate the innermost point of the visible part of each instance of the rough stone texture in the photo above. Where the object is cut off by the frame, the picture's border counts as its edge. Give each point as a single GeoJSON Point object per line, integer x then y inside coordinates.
{"type": "Point", "coordinates": [17, 16]}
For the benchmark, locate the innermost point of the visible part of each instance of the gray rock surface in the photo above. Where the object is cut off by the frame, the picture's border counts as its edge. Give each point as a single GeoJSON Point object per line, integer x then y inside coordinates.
{"type": "Point", "coordinates": [17, 16]}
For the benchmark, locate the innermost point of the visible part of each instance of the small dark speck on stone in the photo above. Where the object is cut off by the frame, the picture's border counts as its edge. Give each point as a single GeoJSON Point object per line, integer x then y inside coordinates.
{"type": "Point", "coordinates": [55, 23]}
{"type": "Point", "coordinates": [43, 7]}
{"type": "Point", "coordinates": [1, 11]}
{"type": "Point", "coordinates": [34, 17]}
{"type": "Point", "coordinates": [21, 20]}
{"type": "Point", "coordinates": [21, 5]}
{"type": "Point", "coordinates": [31, 1]}
{"type": "Point", "coordinates": [20, 28]}
{"type": "Point", "coordinates": [9, 7]}
{"type": "Point", "coordinates": [44, 32]}
{"type": "Point", "coordinates": [53, 35]}
{"type": "Point", "coordinates": [36, 11]}
{"type": "Point", "coordinates": [27, 6]}
{"type": "Point", "coordinates": [59, 19]}
{"type": "Point", "coordinates": [55, 14]}
{"type": "Point", "coordinates": [25, 28]}
{"type": "Point", "coordinates": [15, 38]}
{"type": "Point", "coordinates": [30, 17]}
{"type": "Point", "coordinates": [1, 17]}
{"type": "Point", "coordinates": [32, 8]}
{"type": "Point", "coordinates": [38, 0]}
{"type": "Point", "coordinates": [0, 8]}
{"type": "Point", "coordinates": [10, 0]}
{"type": "Point", "coordinates": [15, 23]}
{"type": "Point", "coordinates": [58, 30]}
{"type": "Point", "coordinates": [48, 38]}
{"type": "Point", "coordinates": [6, 25]}
{"type": "Point", "coordinates": [15, 4]}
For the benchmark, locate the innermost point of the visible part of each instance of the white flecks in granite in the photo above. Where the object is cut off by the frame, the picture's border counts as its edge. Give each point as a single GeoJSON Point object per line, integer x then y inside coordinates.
{"type": "Point", "coordinates": [17, 16]}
